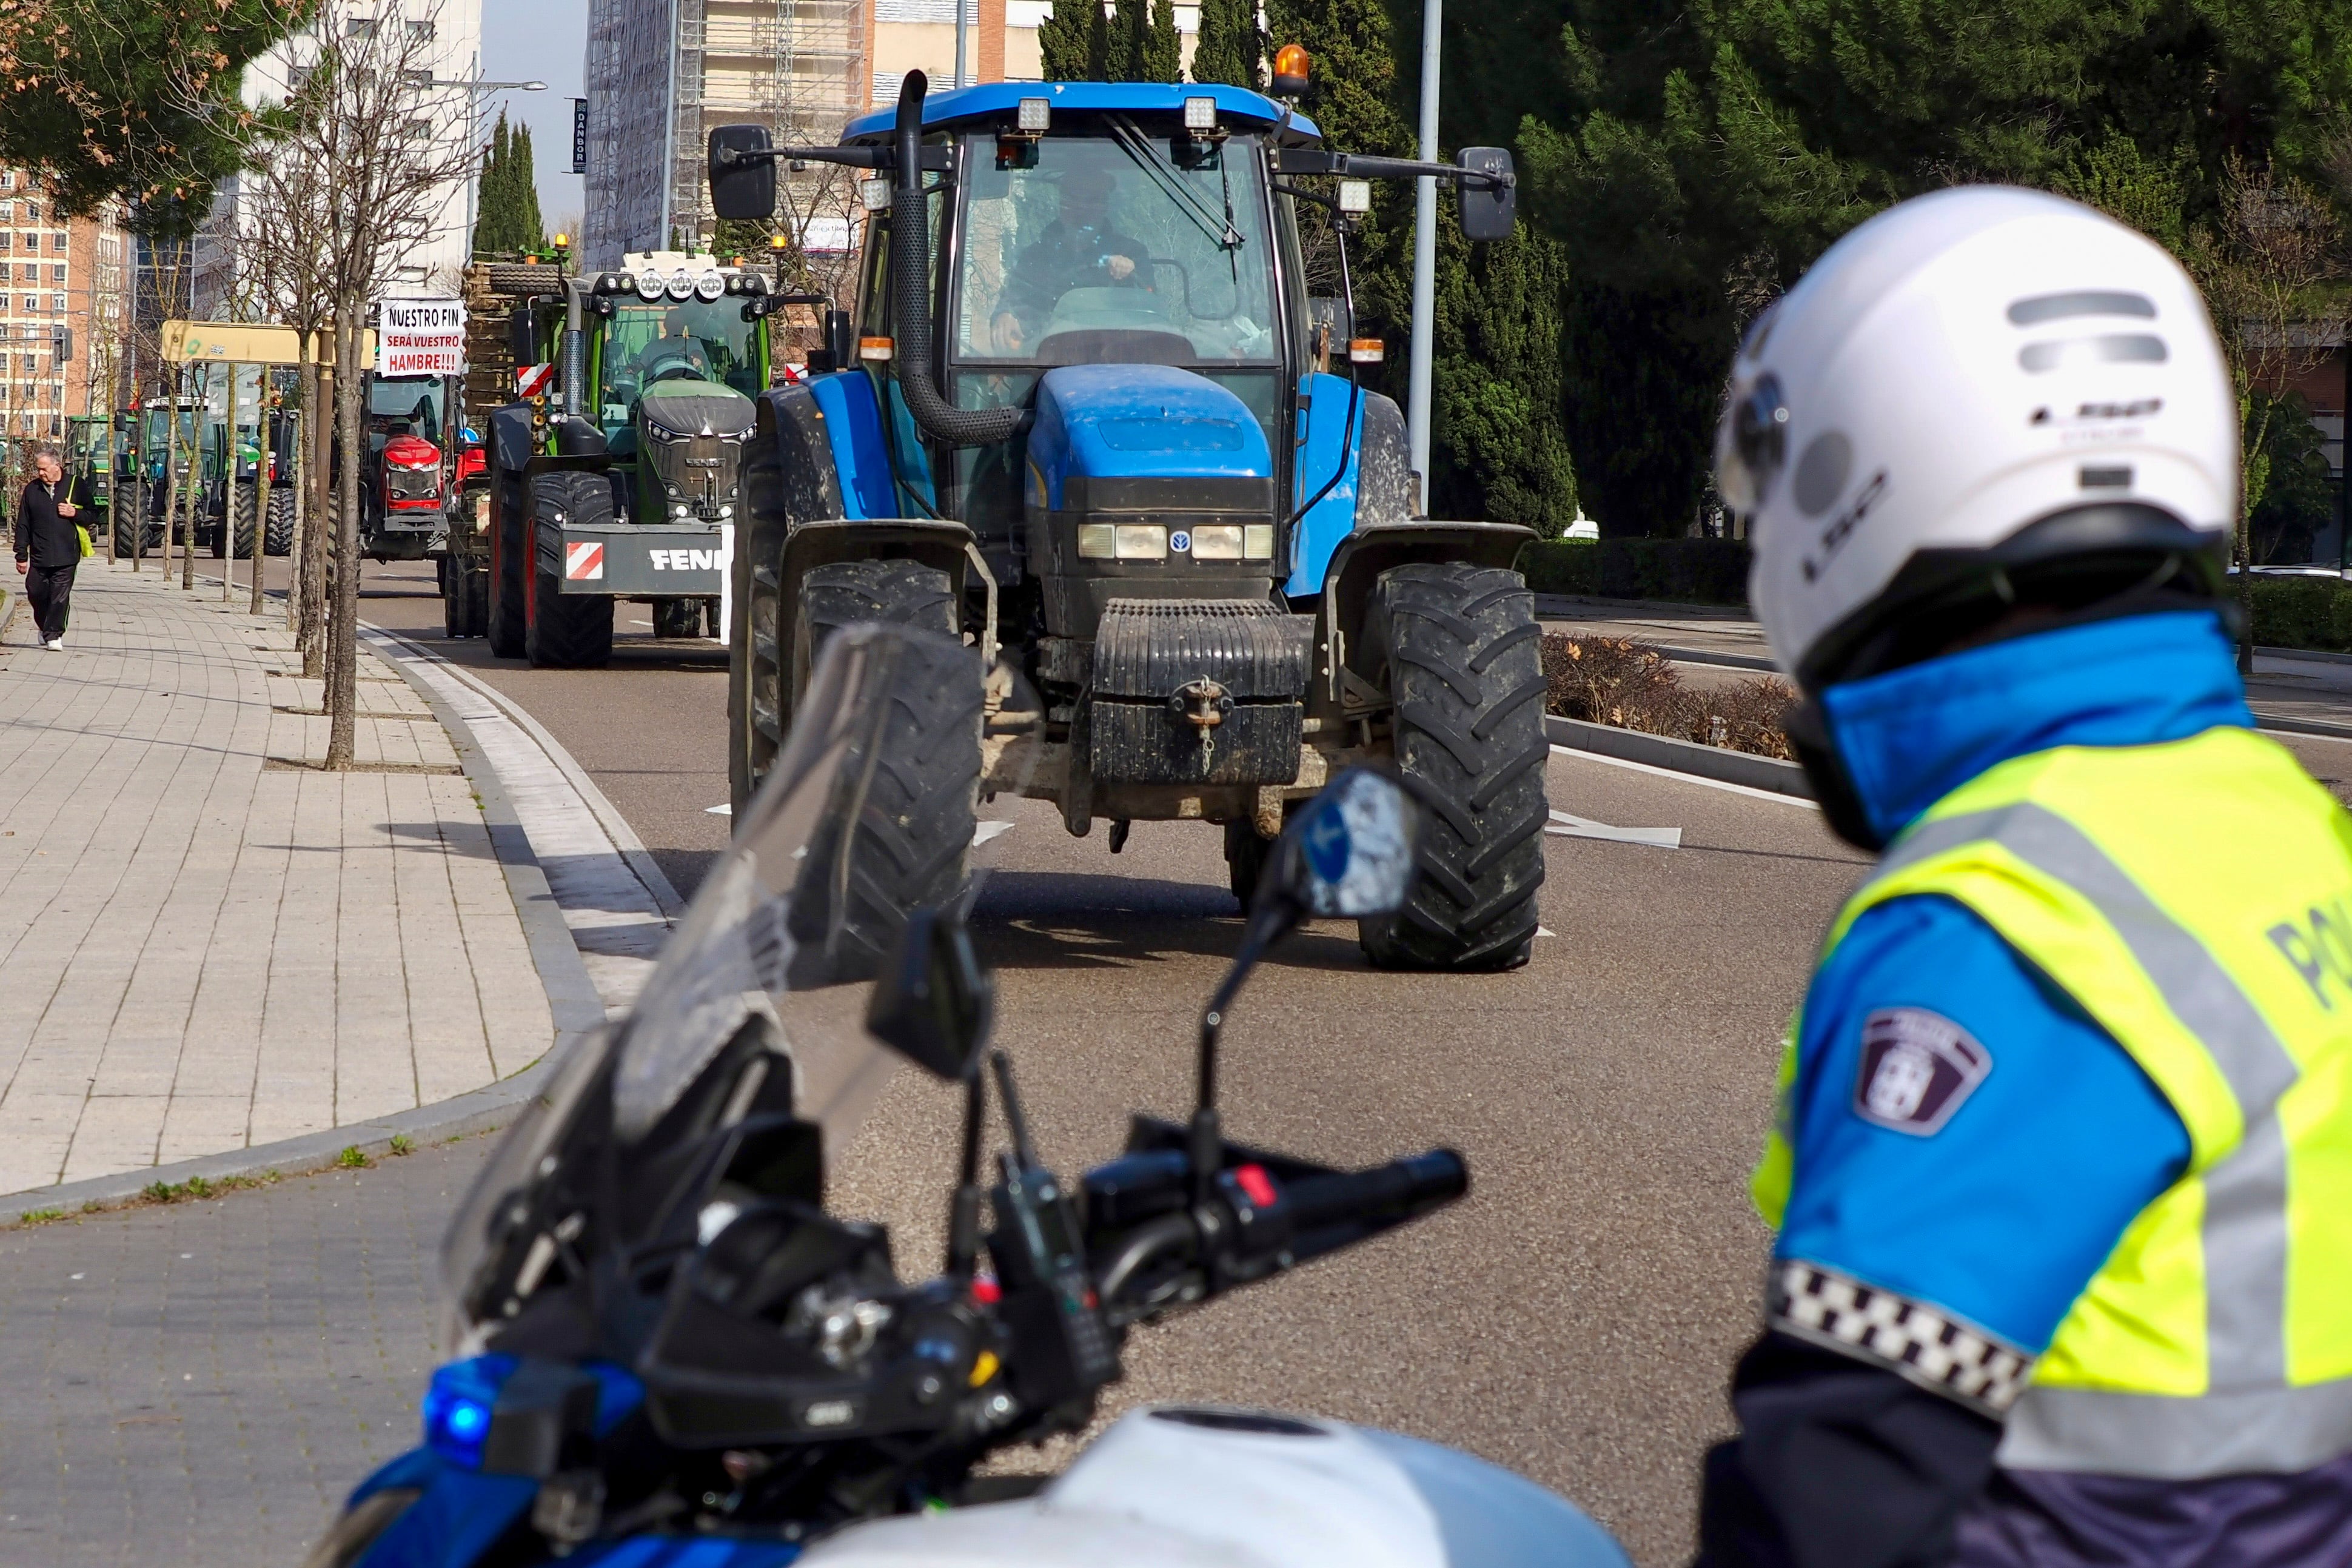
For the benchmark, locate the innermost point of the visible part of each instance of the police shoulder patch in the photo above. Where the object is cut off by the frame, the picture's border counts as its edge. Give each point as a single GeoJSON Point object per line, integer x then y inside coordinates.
{"type": "Point", "coordinates": [1916, 1069]}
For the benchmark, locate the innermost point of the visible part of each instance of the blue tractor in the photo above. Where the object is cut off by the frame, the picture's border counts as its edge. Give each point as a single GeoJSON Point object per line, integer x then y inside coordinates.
{"type": "Point", "coordinates": [1085, 417]}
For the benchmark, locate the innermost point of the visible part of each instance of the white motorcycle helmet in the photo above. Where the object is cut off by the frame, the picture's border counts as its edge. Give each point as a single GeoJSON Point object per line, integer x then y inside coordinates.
{"type": "Point", "coordinates": [1980, 399]}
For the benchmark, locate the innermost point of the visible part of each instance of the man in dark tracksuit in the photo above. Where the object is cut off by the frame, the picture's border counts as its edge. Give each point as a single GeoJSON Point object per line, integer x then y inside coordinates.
{"type": "Point", "coordinates": [48, 548]}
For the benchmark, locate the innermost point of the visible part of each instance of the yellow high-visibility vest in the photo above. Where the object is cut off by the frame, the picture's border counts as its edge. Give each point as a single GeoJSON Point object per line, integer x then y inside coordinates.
{"type": "Point", "coordinates": [2195, 898]}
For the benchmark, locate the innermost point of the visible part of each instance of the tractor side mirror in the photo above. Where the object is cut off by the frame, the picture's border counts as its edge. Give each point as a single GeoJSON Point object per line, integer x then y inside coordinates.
{"type": "Point", "coordinates": [745, 188]}
{"type": "Point", "coordinates": [521, 340]}
{"type": "Point", "coordinates": [1487, 210]}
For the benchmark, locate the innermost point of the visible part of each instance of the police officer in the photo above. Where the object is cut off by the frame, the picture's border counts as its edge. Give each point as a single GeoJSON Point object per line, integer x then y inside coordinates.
{"type": "Point", "coordinates": [2061, 1171]}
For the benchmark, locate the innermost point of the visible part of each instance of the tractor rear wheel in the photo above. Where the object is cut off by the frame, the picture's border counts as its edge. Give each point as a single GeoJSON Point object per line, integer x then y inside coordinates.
{"type": "Point", "coordinates": [506, 586]}
{"type": "Point", "coordinates": [243, 505]}
{"type": "Point", "coordinates": [566, 631]}
{"type": "Point", "coordinates": [277, 536]}
{"type": "Point", "coordinates": [913, 835]}
{"type": "Point", "coordinates": [1460, 653]}
{"type": "Point", "coordinates": [125, 521]}
{"type": "Point", "coordinates": [677, 617]}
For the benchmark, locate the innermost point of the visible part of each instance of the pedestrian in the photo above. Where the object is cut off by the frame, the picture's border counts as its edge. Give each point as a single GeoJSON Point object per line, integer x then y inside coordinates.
{"type": "Point", "coordinates": [48, 547]}
{"type": "Point", "coordinates": [2063, 1264]}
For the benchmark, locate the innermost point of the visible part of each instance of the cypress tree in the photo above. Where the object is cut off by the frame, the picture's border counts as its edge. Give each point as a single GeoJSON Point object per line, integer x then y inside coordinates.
{"type": "Point", "coordinates": [1161, 54]}
{"type": "Point", "coordinates": [1228, 48]}
{"type": "Point", "coordinates": [1131, 40]}
{"type": "Point", "coordinates": [507, 218]}
{"type": "Point", "coordinates": [1075, 42]}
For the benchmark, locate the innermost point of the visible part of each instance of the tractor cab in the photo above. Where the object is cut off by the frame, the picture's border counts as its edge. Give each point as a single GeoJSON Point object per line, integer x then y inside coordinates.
{"type": "Point", "coordinates": [1095, 430]}
{"type": "Point", "coordinates": [676, 352]}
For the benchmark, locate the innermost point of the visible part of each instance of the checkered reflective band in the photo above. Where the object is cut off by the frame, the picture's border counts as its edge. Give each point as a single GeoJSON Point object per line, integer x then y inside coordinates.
{"type": "Point", "coordinates": [1932, 1349]}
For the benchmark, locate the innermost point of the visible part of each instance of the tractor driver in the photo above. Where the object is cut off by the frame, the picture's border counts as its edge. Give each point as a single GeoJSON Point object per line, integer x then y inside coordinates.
{"type": "Point", "coordinates": [677, 352]}
{"type": "Point", "coordinates": [1079, 249]}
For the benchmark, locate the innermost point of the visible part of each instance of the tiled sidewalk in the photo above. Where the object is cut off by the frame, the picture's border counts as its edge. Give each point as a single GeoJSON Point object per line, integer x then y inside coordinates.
{"type": "Point", "coordinates": [204, 944]}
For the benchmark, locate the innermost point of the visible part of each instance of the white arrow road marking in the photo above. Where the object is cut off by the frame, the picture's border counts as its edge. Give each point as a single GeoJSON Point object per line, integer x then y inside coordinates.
{"type": "Point", "coordinates": [718, 810]}
{"type": "Point", "coordinates": [985, 831]}
{"type": "Point", "coordinates": [1568, 827]}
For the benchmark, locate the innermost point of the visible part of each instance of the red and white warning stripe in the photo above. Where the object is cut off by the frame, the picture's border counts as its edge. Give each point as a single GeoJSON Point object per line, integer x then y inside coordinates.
{"type": "Point", "coordinates": [583, 562]}
{"type": "Point", "coordinates": [531, 380]}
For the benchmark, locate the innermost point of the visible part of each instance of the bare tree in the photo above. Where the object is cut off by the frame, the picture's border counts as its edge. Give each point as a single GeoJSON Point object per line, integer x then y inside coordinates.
{"type": "Point", "coordinates": [2260, 265]}
{"type": "Point", "coordinates": [292, 256]}
{"type": "Point", "coordinates": [378, 142]}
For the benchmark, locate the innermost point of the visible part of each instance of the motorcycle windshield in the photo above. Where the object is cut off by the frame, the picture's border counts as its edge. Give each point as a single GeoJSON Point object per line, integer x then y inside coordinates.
{"type": "Point", "coordinates": [778, 938]}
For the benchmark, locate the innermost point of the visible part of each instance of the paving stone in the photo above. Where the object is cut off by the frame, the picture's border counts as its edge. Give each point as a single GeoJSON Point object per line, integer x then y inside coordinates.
{"type": "Point", "coordinates": [202, 951]}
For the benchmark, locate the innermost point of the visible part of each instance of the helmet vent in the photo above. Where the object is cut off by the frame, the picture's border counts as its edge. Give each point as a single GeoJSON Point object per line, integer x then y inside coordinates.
{"type": "Point", "coordinates": [2082, 302]}
{"type": "Point", "coordinates": [2114, 347]}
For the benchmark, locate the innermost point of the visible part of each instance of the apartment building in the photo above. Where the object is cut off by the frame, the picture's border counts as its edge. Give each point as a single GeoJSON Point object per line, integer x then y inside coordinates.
{"type": "Point", "coordinates": [449, 64]}
{"type": "Point", "coordinates": [63, 298]}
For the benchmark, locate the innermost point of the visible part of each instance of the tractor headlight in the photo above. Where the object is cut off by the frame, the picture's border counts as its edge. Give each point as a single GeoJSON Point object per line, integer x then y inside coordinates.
{"type": "Point", "coordinates": [649, 284]}
{"type": "Point", "coordinates": [1200, 114]}
{"type": "Point", "coordinates": [682, 284]}
{"type": "Point", "coordinates": [1217, 541]}
{"type": "Point", "coordinates": [1122, 542]}
{"type": "Point", "coordinates": [710, 286]}
{"type": "Point", "coordinates": [1257, 542]}
{"type": "Point", "coordinates": [1036, 113]}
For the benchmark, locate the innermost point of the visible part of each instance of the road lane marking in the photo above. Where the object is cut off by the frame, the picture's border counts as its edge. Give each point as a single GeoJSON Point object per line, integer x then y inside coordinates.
{"type": "Point", "coordinates": [1567, 826]}
{"type": "Point", "coordinates": [1686, 778]}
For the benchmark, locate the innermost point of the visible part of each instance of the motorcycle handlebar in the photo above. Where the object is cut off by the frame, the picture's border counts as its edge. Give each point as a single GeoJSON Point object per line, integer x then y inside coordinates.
{"type": "Point", "coordinates": [1437, 1177]}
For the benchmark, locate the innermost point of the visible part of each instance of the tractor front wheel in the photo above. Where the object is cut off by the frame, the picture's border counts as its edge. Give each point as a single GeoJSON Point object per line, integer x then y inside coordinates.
{"type": "Point", "coordinates": [566, 631]}
{"type": "Point", "coordinates": [913, 833]}
{"type": "Point", "coordinates": [245, 504]}
{"type": "Point", "coordinates": [1461, 655]}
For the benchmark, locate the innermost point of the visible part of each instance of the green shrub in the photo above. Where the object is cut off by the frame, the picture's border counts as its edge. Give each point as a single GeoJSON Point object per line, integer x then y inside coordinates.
{"type": "Point", "coordinates": [1695, 570]}
{"type": "Point", "coordinates": [1562, 567]}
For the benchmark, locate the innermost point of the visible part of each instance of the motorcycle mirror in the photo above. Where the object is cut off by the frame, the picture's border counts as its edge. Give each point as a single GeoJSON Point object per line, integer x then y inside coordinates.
{"type": "Point", "coordinates": [934, 1004]}
{"type": "Point", "coordinates": [1350, 853]}
{"type": "Point", "coordinates": [1487, 210]}
{"type": "Point", "coordinates": [741, 189]}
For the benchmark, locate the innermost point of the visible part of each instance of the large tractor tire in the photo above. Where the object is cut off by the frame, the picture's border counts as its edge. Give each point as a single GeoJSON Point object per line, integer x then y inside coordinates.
{"type": "Point", "coordinates": [505, 588]}
{"type": "Point", "coordinates": [465, 598]}
{"type": "Point", "coordinates": [677, 617]}
{"type": "Point", "coordinates": [277, 537]}
{"type": "Point", "coordinates": [1460, 655]}
{"type": "Point", "coordinates": [566, 631]}
{"type": "Point", "coordinates": [125, 538]}
{"type": "Point", "coordinates": [243, 505]}
{"type": "Point", "coordinates": [912, 844]}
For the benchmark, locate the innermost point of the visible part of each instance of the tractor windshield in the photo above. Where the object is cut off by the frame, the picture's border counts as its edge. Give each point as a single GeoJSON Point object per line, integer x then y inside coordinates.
{"type": "Point", "coordinates": [695, 340]}
{"type": "Point", "coordinates": [1107, 248]}
{"type": "Point", "coordinates": [412, 401]}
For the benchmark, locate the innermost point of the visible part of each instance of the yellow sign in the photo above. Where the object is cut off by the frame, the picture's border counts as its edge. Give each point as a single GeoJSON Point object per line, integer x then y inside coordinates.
{"type": "Point", "coordinates": [232, 343]}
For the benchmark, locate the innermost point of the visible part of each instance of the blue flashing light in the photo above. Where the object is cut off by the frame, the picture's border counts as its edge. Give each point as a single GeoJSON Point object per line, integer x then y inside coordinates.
{"type": "Point", "coordinates": [459, 1405]}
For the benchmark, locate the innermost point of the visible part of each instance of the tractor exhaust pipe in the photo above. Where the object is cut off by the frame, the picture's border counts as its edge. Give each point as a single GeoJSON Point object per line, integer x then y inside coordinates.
{"type": "Point", "coordinates": [910, 299]}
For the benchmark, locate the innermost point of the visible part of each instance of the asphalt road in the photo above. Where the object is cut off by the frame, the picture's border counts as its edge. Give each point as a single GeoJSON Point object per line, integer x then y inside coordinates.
{"type": "Point", "coordinates": [220, 1372]}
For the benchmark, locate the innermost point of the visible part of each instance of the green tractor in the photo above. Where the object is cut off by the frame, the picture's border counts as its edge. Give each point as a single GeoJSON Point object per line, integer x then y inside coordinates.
{"type": "Point", "coordinates": [1093, 431]}
{"type": "Point", "coordinates": [97, 449]}
{"type": "Point", "coordinates": [619, 474]}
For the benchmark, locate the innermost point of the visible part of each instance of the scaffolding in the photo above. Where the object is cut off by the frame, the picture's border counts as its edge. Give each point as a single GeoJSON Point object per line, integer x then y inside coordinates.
{"type": "Point", "coordinates": [661, 73]}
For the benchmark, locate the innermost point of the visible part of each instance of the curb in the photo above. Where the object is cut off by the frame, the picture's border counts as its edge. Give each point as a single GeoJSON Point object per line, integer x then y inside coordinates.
{"type": "Point", "coordinates": [1769, 775]}
{"type": "Point", "coordinates": [2280, 724]}
{"type": "Point", "coordinates": [572, 1003]}
{"type": "Point", "coordinates": [2309, 655]}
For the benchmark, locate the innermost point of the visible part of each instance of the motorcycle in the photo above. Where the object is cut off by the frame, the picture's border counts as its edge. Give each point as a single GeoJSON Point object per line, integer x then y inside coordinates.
{"type": "Point", "coordinates": [667, 1351]}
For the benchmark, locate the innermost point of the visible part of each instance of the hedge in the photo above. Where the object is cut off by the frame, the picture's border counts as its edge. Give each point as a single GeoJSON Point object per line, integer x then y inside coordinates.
{"type": "Point", "coordinates": [1697, 571]}
{"type": "Point", "coordinates": [2314, 613]}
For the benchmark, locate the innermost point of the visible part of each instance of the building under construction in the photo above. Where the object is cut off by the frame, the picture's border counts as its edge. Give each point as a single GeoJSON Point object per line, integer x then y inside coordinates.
{"type": "Point", "coordinates": [661, 73]}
